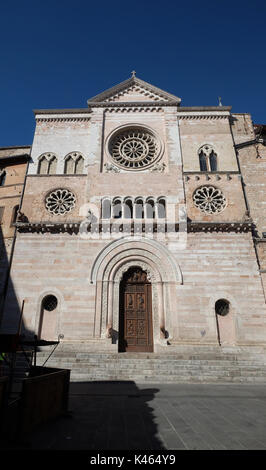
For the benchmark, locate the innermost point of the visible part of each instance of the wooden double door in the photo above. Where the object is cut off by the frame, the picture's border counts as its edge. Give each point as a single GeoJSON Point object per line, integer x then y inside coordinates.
{"type": "Point", "coordinates": [135, 316]}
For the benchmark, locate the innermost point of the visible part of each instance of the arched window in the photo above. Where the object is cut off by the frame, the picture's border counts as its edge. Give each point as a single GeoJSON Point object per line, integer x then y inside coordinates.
{"type": "Point", "coordinates": [213, 161]}
{"type": "Point", "coordinates": [106, 209]}
{"type": "Point", "coordinates": [2, 177]}
{"type": "Point", "coordinates": [207, 158]}
{"type": "Point", "coordinates": [150, 209]}
{"type": "Point", "coordinates": [117, 209]}
{"type": "Point", "coordinates": [69, 166]}
{"type": "Point", "coordinates": [226, 331]}
{"type": "Point", "coordinates": [47, 324]}
{"type": "Point", "coordinates": [74, 164]}
{"type": "Point", "coordinates": [47, 164]}
{"type": "Point", "coordinates": [128, 209]}
{"type": "Point", "coordinates": [161, 209]}
{"type": "Point", "coordinates": [139, 209]}
{"type": "Point", "coordinates": [202, 161]}
{"type": "Point", "coordinates": [222, 307]}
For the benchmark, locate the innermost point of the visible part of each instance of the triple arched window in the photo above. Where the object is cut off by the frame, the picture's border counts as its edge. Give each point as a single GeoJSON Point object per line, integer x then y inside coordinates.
{"type": "Point", "coordinates": [134, 208]}
{"type": "Point", "coordinates": [207, 158]}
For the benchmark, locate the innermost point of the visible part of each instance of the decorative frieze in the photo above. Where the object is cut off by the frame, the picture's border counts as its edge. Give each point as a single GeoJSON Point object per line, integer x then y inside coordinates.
{"type": "Point", "coordinates": [136, 90]}
{"type": "Point", "coordinates": [203, 116]}
{"type": "Point", "coordinates": [62, 119]}
{"type": "Point", "coordinates": [74, 227]}
{"type": "Point", "coordinates": [133, 109]}
{"type": "Point", "coordinates": [211, 176]}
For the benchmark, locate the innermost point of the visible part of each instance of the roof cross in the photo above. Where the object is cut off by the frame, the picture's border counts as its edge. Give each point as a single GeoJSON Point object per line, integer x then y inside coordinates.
{"type": "Point", "coordinates": [133, 74]}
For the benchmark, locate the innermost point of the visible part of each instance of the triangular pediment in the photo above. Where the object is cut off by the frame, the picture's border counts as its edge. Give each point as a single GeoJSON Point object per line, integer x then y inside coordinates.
{"type": "Point", "coordinates": [133, 91]}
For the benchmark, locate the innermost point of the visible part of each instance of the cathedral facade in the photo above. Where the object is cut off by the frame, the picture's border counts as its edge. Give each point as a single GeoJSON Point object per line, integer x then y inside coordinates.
{"type": "Point", "coordinates": [140, 227]}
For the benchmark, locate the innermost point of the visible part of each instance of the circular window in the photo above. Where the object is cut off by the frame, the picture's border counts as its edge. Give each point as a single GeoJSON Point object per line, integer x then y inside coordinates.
{"type": "Point", "coordinates": [222, 307]}
{"type": "Point", "coordinates": [49, 303]}
{"type": "Point", "coordinates": [134, 148]}
{"type": "Point", "coordinates": [209, 200]}
{"type": "Point", "coordinates": [60, 202]}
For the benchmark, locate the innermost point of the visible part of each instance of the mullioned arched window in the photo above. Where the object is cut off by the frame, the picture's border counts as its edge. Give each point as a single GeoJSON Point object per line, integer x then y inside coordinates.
{"type": "Point", "coordinates": [207, 158]}
{"type": "Point", "coordinates": [47, 164]}
{"type": "Point", "coordinates": [74, 164]}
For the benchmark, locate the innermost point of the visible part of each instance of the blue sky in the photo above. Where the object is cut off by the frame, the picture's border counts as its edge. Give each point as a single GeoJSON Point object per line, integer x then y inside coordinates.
{"type": "Point", "coordinates": [57, 54]}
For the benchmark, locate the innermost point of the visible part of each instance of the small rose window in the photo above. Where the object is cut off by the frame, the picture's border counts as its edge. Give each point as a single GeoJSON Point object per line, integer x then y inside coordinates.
{"type": "Point", "coordinates": [209, 200]}
{"type": "Point", "coordinates": [60, 202]}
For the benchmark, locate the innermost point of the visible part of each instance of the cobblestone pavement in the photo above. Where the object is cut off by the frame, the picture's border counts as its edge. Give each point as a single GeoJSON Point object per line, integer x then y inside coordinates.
{"type": "Point", "coordinates": [126, 415]}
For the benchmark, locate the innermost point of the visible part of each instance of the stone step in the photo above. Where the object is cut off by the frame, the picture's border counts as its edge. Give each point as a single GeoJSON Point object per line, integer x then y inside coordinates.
{"type": "Point", "coordinates": [153, 367]}
{"type": "Point", "coordinates": [163, 357]}
{"type": "Point", "coordinates": [124, 356]}
{"type": "Point", "coordinates": [157, 369]}
{"type": "Point", "coordinates": [172, 379]}
{"type": "Point", "coordinates": [154, 364]}
{"type": "Point", "coordinates": [188, 364]}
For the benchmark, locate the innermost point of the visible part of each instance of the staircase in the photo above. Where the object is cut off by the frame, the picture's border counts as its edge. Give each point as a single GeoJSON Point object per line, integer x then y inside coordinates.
{"type": "Point", "coordinates": [189, 365]}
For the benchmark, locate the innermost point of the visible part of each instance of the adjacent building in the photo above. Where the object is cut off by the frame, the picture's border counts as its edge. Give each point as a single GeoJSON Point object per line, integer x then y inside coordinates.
{"type": "Point", "coordinates": [13, 169]}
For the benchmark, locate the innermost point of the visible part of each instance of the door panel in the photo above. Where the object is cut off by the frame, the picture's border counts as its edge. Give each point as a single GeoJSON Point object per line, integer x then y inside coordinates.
{"type": "Point", "coordinates": [135, 313]}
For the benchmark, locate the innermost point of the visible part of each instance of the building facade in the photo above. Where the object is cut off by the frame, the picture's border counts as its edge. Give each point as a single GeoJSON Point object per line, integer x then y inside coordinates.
{"type": "Point", "coordinates": [13, 169]}
{"type": "Point", "coordinates": [141, 226]}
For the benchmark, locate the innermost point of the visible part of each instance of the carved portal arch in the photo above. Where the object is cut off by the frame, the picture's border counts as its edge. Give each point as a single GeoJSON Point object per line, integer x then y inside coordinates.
{"type": "Point", "coordinates": [151, 247]}
{"type": "Point", "coordinates": [107, 273]}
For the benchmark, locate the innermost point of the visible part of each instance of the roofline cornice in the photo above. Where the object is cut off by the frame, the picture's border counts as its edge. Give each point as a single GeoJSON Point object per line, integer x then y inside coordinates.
{"type": "Point", "coordinates": [146, 104]}
{"type": "Point", "coordinates": [131, 104]}
{"type": "Point", "coordinates": [62, 111]}
{"type": "Point", "coordinates": [16, 147]}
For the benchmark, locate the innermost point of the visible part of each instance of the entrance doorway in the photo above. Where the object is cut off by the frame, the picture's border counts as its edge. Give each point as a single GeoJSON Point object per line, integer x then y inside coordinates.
{"type": "Point", "coordinates": [135, 315]}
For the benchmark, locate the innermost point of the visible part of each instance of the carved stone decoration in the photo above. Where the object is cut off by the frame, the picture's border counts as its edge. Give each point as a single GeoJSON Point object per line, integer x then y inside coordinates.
{"type": "Point", "coordinates": [209, 200]}
{"type": "Point", "coordinates": [60, 202]}
{"type": "Point", "coordinates": [22, 217]}
{"type": "Point", "coordinates": [110, 168]}
{"type": "Point", "coordinates": [89, 217]}
{"type": "Point", "coordinates": [134, 148]}
{"type": "Point", "coordinates": [159, 167]}
{"type": "Point", "coordinates": [206, 149]}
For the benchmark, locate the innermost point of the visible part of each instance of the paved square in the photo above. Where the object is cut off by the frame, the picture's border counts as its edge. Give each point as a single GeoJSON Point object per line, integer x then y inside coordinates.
{"type": "Point", "coordinates": [126, 415]}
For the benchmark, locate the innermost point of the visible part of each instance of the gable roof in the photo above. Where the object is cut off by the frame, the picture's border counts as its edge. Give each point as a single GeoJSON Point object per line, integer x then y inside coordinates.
{"type": "Point", "coordinates": [120, 94]}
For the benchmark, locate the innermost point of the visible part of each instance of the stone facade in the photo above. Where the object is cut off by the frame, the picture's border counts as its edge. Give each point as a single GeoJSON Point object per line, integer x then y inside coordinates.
{"type": "Point", "coordinates": [13, 169]}
{"type": "Point", "coordinates": [195, 230]}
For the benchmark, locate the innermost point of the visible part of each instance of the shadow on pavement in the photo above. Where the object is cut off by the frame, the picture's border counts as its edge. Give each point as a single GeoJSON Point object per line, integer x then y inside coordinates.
{"type": "Point", "coordinates": [102, 416]}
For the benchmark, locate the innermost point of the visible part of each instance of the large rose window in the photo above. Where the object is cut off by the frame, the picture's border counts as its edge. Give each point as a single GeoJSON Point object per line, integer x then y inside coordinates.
{"type": "Point", "coordinates": [134, 148]}
{"type": "Point", "coordinates": [60, 202]}
{"type": "Point", "coordinates": [209, 200]}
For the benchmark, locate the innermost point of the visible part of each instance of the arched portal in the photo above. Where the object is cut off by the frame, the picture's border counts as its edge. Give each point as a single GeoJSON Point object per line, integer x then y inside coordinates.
{"type": "Point", "coordinates": [135, 312]}
{"type": "Point", "coordinates": [162, 272]}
